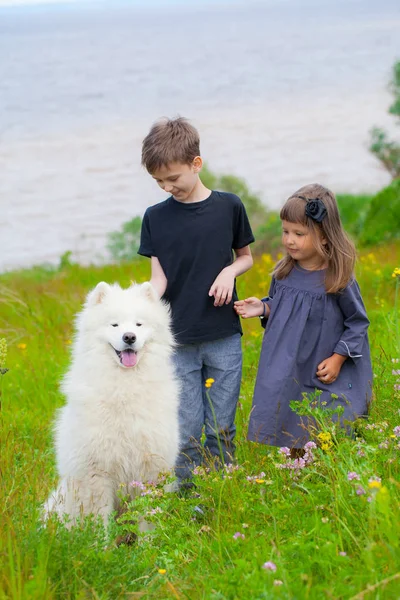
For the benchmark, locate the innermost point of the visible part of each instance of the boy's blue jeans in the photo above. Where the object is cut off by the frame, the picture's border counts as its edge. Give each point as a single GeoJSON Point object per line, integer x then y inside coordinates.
{"type": "Point", "coordinates": [213, 408]}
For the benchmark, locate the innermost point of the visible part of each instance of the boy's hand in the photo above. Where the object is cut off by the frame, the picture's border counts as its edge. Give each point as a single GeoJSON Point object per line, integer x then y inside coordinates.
{"type": "Point", "coordinates": [222, 288]}
{"type": "Point", "coordinates": [328, 370]}
{"type": "Point", "coordinates": [251, 307]}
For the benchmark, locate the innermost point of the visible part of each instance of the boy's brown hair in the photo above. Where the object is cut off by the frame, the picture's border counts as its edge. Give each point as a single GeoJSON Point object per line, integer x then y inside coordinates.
{"type": "Point", "coordinates": [337, 251]}
{"type": "Point", "coordinates": [170, 140]}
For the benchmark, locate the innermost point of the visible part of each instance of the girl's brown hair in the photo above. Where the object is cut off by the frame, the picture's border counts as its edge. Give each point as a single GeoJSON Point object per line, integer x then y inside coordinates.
{"type": "Point", "coordinates": [337, 251]}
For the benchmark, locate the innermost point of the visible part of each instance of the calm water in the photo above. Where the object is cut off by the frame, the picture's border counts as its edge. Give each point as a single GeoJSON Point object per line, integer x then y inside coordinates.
{"type": "Point", "coordinates": [283, 93]}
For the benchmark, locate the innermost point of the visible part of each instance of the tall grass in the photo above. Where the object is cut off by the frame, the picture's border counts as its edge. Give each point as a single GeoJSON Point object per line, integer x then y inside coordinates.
{"type": "Point", "coordinates": [261, 530]}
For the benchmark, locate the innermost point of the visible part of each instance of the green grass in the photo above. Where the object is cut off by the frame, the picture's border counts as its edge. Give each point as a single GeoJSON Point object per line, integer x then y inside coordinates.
{"type": "Point", "coordinates": [302, 524]}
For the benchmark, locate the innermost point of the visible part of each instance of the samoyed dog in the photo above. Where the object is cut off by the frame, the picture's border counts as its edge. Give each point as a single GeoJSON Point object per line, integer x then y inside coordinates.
{"type": "Point", "coordinates": [120, 421]}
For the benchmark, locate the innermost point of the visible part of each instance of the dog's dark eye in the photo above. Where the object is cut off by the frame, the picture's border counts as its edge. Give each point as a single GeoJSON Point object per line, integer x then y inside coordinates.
{"type": "Point", "coordinates": [114, 324]}
{"type": "Point", "coordinates": [138, 324]}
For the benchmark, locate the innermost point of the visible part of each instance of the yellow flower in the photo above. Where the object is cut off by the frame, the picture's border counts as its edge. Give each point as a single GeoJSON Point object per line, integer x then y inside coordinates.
{"type": "Point", "coordinates": [162, 571]}
{"type": "Point", "coordinates": [209, 382]}
{"type": "Point", "coordinates": [3, 352]}
{"type": "Point", "coordinates": [396, 272]}
{"type": "Point", "coordinates": [21, 346]}
{"type": "Point", "coordinates": [260, 480]}
{"type": "Point", "coordinates": [374, 485]}
{"type": "Point", "coordinates": [68, 342]}
{"type": "Point", "coordinates": [324, 436]}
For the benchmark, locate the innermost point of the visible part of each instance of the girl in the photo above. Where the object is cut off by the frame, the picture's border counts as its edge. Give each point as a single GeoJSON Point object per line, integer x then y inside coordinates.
{"type": "Point", "coordinates": [316, 324]}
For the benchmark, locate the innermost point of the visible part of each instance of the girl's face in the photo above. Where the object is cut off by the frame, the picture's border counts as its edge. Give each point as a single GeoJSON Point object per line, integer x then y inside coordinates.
{"type": "Point", "coordinates": [298, 242]}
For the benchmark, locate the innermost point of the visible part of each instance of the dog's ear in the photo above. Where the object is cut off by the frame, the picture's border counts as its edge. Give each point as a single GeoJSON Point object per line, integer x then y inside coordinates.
{"type": "Point", "coordinates": [97, 295]}
{"type": "Point", "coordinates": [147, 290]}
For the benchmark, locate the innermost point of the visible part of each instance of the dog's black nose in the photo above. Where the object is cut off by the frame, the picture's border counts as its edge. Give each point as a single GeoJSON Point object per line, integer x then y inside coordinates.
{"type": "Point", "coordinates": [129, 338]}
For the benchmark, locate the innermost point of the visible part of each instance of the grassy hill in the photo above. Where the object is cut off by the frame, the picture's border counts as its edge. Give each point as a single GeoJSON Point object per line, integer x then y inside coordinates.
{"type": "Point", "coordinates": [264, 531]}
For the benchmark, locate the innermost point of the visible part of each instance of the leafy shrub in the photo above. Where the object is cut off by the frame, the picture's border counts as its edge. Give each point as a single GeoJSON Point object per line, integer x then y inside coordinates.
{"type": "Point", "coordinates": [124, 244]}
{"type": "Point", "coordinates": [388, 152]}
{"type": "Point", "coordinates": [382, 222]}
{"type": "Point", "coordinates": [353, 211]}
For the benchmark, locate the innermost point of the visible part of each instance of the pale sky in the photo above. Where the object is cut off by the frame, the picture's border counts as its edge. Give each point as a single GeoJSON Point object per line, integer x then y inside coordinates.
{"type": "Point", "coordinates": [31, 2]}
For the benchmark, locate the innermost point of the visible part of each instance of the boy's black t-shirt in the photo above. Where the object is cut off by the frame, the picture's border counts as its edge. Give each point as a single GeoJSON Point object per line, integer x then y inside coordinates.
{"type": "Point", "coordinates": [193, 243]}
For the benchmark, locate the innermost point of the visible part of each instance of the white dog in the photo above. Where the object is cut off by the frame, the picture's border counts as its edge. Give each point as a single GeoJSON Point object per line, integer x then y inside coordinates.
{"type": "Point", "coordinates": [120, 422]}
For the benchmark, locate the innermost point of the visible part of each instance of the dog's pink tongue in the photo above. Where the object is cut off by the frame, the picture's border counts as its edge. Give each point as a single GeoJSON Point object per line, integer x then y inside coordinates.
{"type": "Point", "coordinates": [128, 358]}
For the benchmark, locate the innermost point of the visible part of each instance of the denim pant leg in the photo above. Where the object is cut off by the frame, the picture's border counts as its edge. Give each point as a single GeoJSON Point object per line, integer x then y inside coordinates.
{"type": "Point", "coordinates": [222, 361]}
{"type": "Point", "coordinates": [191, 411]}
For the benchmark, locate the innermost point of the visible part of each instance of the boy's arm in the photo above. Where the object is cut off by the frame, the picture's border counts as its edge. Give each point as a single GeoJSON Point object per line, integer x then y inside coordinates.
{"type": "Point", "coordinates": [243, 261]}
{"type": "Point", "coordinates": [222, 288]}
{"type": "Point", "coordinates": [158, 279]}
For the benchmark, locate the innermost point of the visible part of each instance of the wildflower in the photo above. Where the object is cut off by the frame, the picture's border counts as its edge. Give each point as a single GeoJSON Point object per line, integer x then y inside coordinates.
{"type": "Point", "coordinates": [374, 483]}
{"type": "Point", "coordinates": [230, 468]}
{"type": "Point", "coordinates": [360, 491]}
{"type": "Point", "coordinates": [278, 582]}
{"type": "Point", "coordinates": [138, 484]}
{"type": "Point", "coordinates": [310, 446]}
{"type": "Point", "coordinates": [3, 352]}
{"type": "Point", "coordinates": [68, 342]}
{"type": "Point", "coordinates": [255, 477]}
{"type": "Point", "coordinates": [259, 480]}
{"type": "Point", "coordinates": [396, 272]}
{"type": "Point", "coordinates": [361, 452]}
{"type": "Point", "coordinates": [342, 553]}
{"type": "Point", "coordinates": [325, 520]}
{"type": "Point", "coordinates": [351, 475]}
{"type": "Point", "coordinates": [384, 445]}
{"type": "Point", "coordinates": [209, 382]}
{"type": "Point", "coordinates": [3, 356]}
{"type": "Point", "coordinates": [245, 525]}
{"type": "Point", "coordinates": [396, 431]}
{"type": "Point", "coordinates": [204, 529]}
{"type": "Point", "coordinates": [284, 450]}
{"type": "Point", "coordinates": [21, 346]}
{"type": "Point", "coordinates": [238, 535]}
{"type": "Point", "coordinates": [162, 571]}
{"type": "Point", "coordinates": [269, 566]}
{"type": "Point", "coordinates": [155, 511]}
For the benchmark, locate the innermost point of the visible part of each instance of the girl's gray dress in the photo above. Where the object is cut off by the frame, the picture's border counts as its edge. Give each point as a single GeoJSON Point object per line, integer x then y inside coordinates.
{"type": "Point", "coordinates": [305, 326]}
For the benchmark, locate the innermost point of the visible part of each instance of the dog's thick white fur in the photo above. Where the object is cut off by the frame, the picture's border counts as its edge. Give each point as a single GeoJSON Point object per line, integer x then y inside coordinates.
{"type": "Point", "coordinates": [120, 422]}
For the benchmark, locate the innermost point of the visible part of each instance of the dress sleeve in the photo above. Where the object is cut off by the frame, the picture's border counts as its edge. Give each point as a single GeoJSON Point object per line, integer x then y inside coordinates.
{"type": "Point", "coordinates": [267, 300]}
{"type": "Point", "coordinates": [242, 234]}
{"type": "Point", "coordinates": [146, 248]}
{"type": "Point", "coordinates": [355, 322]}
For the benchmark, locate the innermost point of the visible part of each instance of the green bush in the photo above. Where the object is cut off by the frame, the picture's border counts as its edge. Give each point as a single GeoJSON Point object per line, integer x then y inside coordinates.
{"type": "Point", "coordinates": [382, 222]}
{"type": "Point", "coordinates": [124, 244]}
{"type": "Point", "coordinates": [353, 211]}
{"type": "Point", "coordinates": [388, 152]}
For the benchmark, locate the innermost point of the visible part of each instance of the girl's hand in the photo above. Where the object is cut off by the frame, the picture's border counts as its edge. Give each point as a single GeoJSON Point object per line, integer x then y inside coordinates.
{"type": "Point", "coordinates": [222, 288]}
{"type": "Point", "coordinates": [251, 307]}
{"type": "Point", "coordinates": [328, 370]}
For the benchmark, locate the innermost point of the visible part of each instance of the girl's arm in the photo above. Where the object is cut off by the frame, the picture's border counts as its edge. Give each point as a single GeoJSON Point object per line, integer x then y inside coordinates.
{"type": "Point", "coordinates": [355, 322]}
{"type": "Point", "coordinates": [355, 326]}
{"type": "Point", "coordinates": [222, 288]}
{"type": "Point", "coordinates": [158, 279]}
{"type": "Point", "coordinates": [251, 307]}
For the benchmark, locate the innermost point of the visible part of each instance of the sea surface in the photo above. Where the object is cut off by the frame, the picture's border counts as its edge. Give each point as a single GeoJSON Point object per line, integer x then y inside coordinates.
{"type": "Point", "coordinates": [283, 92]}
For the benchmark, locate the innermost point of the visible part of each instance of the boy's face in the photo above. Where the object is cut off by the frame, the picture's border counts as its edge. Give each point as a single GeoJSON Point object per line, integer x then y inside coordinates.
{"type": "Point", "coordinates": [179, 179]}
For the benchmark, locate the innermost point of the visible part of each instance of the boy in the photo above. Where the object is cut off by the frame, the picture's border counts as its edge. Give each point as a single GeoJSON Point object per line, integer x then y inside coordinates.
{"type": "Point", "coordinates": [189, 238]}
